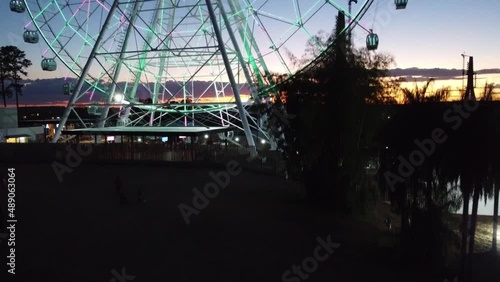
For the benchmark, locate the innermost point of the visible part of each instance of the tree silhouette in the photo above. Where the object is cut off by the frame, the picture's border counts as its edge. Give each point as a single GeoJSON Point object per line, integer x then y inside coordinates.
{"type": "Point", "coordinates": [332, 102]}
{"type": "Point", "coordinates": [13, 65]}
{"type": "Point", "coordinates": [422, 95]}
{"type": "Point", "coordinates": [326, 141]}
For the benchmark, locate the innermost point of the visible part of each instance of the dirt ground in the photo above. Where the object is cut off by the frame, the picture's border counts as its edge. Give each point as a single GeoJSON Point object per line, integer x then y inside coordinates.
{"type": "Point", "coordinates": [257, 228]}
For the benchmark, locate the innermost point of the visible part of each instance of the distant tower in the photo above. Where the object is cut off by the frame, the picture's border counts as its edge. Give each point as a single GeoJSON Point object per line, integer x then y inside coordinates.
{"type": "Point", "coordinates": [469, 92]}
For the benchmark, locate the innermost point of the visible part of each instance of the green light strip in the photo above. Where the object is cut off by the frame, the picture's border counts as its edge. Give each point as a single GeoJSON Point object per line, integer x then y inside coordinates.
{"type": "Point", "coordinates": [41, 12]}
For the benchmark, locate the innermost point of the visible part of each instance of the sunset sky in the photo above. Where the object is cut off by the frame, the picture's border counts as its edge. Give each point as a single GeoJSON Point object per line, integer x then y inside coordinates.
{"type": "Point", "coordinates": [428, 34]}
{"type": "Point", "coordinates": [434, 34]}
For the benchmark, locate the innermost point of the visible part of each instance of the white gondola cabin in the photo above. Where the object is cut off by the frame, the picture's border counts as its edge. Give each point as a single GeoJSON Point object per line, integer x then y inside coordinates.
{"type": "Point", "coordinates": [31, 36]}
{"type": "Point", "coordinates": [68, 88]}
{"type": "Point", "coordinates": [372, 41]}
{"type": "Point", "coordinates": [98, 111]}
{"type": "Point", "coordinates": [91, 109]}
{"type": "Point", "coordinates": [17, 6]}
{"type": "Point", "coordinates": [49, 64]}
{"type": "Point", "coordinates": [94, 109]}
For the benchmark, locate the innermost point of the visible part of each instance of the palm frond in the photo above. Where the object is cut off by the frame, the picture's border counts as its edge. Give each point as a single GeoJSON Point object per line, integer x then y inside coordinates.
{"type": "Point", "coordinates": [488, 92]}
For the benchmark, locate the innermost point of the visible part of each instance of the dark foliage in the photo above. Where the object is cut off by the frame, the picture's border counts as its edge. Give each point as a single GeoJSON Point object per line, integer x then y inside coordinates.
{"type": "Point", "coordinates": [13, 63]}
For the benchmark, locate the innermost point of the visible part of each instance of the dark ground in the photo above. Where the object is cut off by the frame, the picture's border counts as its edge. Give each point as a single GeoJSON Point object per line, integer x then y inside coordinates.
{"type": "Point", "coordinates": [257, 228]}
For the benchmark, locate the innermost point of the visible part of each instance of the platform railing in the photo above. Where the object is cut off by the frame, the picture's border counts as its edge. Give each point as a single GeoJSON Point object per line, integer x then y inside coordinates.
{"type": "Point", "coordinates": [268, 161]}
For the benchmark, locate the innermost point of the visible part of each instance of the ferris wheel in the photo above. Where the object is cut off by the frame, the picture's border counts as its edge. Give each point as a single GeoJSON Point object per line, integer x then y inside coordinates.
{"type": "Point", "coordinates": [158, 63]}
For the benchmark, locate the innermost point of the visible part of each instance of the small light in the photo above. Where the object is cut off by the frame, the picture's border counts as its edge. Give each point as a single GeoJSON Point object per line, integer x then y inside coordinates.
{"type": "Point", "coordinates": [118, 98]}
{"type": "Point", "coordinates": [206, 136]}
{"type": "Point", "coordinates": [237, 139]}
{"type": "Point", "coordinates": [387, 147]}
{"type": "Point", "coordinates": [139, 139]}
{"type": "Point", "coordinates": [263, 141]}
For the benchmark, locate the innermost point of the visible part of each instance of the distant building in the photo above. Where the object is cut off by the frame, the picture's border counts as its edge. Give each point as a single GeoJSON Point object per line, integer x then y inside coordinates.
{"type": "Point", "coordinates": [10, 132]}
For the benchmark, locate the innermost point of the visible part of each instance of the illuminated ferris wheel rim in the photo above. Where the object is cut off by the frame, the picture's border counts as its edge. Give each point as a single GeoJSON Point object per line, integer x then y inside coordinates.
{"type": "Point", "coordinates": [353, 21]}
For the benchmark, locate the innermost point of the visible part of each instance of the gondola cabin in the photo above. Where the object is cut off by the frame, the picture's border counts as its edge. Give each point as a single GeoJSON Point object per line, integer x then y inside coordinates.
{"type": "Point", "coordinates": [68, 88]}
{"type": "Point", "coordinates": [94, 109]}
{"type": "Point", "coordinates": [31, 36]}
{"type": "Point", "coordinates": [91, 109]}
{"type": "Point", "coordinates": [98, 111]}
{"type": "Point", "coordinates": [401, 4]}
{"type": "Point", "coordinates": [49, 64]}
{"type": "Point", "coordinates": [372, 41]}
{"type": "Point", "coordinates": [17, 6]}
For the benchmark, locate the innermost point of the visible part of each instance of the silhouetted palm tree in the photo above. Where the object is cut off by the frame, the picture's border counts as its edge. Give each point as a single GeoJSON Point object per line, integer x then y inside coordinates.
{"type": "Point", "coordinates": [488, 92]}
{"type": "Point", "coordinates": [422, 95]}
{"type": "Point", "coordinates": [495, 214]}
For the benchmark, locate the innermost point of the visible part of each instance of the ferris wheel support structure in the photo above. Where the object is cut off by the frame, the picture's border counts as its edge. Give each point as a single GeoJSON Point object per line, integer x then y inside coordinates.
{"type": "Point", "coordinates": [248, 77]}
{"type": "Point", "coordinates": [250, 44]}
{"type": "Point", "coordinates": [119, 64]}
{"type": "Point", "coordinates": [232, 81]}
{"type": "Point", "coordinates": [85, 70]}
{"type": "Point", "coordinates": [163, 59]}
{"type": "Point", "coordinates": [246, 72]}
{"type": "Point", "coordinates": [248, 47]}
{"type": "Point", "coordinates": [142, 61]}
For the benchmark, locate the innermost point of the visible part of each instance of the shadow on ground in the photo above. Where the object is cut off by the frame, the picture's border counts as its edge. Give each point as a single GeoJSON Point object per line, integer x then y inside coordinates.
{"type": "Point", "coordinates": [254, 230]}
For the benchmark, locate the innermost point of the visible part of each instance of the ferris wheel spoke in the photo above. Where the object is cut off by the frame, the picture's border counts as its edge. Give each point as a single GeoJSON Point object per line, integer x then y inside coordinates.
{"type": "Point", "coordinates": [52, 32]}
{"type": "Point", "coordinates": [273, 47]}
{"type": "Point", "coordinates": [296, 6]}
{"type": "Point", "coordinates": [78, 55]}
{"type": "Point", "coordinates": [273, 17]}
{"type": "Point", "coordinates": [74, 14]}
{"type": "Point", "coordinates": [40, 13]}
{"type": "Point", "coordinates": [46, 21]}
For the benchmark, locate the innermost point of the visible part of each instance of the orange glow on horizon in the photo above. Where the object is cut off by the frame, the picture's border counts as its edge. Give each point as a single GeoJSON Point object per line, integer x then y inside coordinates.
{"type": "Point", "coordinates": [226, 99]}
{"type": "Point", "coordinates": [456, 86]}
